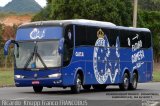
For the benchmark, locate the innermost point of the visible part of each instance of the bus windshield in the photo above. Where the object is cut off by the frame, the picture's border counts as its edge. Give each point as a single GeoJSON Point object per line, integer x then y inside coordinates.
{"type": "Point", "coordinates": [37, 54]}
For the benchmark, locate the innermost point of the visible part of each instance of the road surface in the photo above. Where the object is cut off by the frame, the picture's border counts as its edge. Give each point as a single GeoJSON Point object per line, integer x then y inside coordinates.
{"type": "Point", "coordinates": [146, 93]}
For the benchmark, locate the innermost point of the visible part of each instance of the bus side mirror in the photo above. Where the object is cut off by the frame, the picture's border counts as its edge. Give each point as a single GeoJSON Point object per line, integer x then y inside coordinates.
{"type": "Point", "coordinates": [6, 46]}
{"type": "Point", "coordinates": [60, 47]}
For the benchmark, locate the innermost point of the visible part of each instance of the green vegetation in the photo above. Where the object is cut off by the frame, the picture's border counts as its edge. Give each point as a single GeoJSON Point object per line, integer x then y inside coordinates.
{"type": "Point", "coordinates": [22, 6]}
{"type": "Point", "coordinates": [156, 76]}
{"type": "Point", "coordinates": [3, 15]}
{"type": "Point", "coordinates": [151, 5]}
{"type": "Point", "coordinates": [149, 16]}
{"type": "Point", "coordinates": [116, 11]}
{"type": "Point", "coordinates": [6, 31]}
{"type": "Point", "coordinates": [6, 77]}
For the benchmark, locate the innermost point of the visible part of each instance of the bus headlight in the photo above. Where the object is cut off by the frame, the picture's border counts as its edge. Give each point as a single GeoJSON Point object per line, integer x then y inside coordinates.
{"type": "Point", "coordinates": [18, 76]}
{"type": "Point", "coordinates": [55, 75]}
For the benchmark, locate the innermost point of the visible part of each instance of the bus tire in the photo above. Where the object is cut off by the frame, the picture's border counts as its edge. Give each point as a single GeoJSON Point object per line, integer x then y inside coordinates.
{"type": "Point", "coordinates": [125, 84]}
{"type": "Point", "coordinates": [37, 89]}
{"type": "Point", "coordinates": [133, 85]}
{"type": "Point", "coordinates": [78, 84]}
{"type": "Point", "coordinates": [87, 87]}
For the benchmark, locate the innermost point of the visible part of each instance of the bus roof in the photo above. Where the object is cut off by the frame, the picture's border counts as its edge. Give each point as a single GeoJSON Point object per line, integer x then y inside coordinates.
{"type": "Point", "coordinates": [84, 22]}
{"type": "Point", "coordinates": [73, 21]}
{"type": "Point", "coordinates": [133, 28]}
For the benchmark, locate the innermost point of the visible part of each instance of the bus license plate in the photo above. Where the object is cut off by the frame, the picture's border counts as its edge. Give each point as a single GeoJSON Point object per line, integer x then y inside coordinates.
{"type": "Point", "coordinates": [35, 82]}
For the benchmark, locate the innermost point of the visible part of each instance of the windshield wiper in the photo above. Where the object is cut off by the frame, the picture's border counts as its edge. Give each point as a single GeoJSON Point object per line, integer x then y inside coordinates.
{"type": "Point", "coordinates": [37, 54]}
{"type": "Point", "coordinates": [32, 56]}
{"type": "Point", "coordinates": [28, 61]}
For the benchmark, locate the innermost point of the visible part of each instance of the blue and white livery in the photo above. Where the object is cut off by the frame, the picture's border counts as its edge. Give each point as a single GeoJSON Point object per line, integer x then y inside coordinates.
{"type": "Point", "coordinates": [81, 53]}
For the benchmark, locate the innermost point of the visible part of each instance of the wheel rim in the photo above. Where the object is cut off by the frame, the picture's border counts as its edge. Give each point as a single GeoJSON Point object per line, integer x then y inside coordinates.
{"type": "Point", "coordinates": [126, 83]}
{"type": "Point", "coordinates": [135, 82]}
{"type": "Point", "coordinates": [78, 84]}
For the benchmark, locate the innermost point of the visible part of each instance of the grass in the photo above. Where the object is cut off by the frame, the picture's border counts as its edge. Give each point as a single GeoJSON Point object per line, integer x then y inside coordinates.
{"type": "Point", "coordinates": [156, 76]}
{"type": "Point", "coordinates": [6, 76]}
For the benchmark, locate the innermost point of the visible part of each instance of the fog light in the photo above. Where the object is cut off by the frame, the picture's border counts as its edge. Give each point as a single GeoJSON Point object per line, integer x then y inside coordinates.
{"type": "Point", "coordinates": [57, 82]}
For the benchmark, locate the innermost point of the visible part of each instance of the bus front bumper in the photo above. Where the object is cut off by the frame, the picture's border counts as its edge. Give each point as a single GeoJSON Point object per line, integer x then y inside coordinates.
{"type": "Point", "coordinates": [45, 82]}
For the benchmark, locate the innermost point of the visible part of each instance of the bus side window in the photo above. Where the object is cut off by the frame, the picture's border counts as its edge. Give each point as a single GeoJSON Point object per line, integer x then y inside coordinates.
{"type": "Point", "coordinates": [91, 35]}
{"type": "Point", "coordinates": [147, 39]}
{"type": "Point", "coordinates": [112, 35]}
{"type": "Point", "coordinates": [80, 38]}
{"type": "Point", "coordinates": [125, 38]}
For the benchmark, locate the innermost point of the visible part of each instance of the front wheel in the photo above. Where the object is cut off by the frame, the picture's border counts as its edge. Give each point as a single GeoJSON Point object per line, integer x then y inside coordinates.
{"type": "Point", "coordinates": [37, 89]}
{"type": "Point", "coordinates": [125, 84]}
{"type": "Point", "coordinates": [78, 84]}
{"type": "Point", "coordinates": [134, 83]}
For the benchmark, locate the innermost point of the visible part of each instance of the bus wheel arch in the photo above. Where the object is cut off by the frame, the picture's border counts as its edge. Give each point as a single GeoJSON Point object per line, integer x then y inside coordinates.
{"type": "Point", "coordinates": [134, 80]}
{"type": "Point", "coordinates": [78, 81]}
{"type": "Point", "coordinates": [85, 87]}
{"type": "Point", "coordinates": [80, 72]}
{"type": "Point", "coordinates": [125, 80]}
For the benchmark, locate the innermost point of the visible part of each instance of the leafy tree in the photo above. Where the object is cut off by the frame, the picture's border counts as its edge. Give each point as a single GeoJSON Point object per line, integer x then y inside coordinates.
{"type": "Point", "coordinates": [1, 44]}
{"type": "Point", "coordinates": [150, 5]}
{"type": "Point", "coordinates": [116, 11]}
{"type": "Point", "coordinates": [150, 19]}
{"type": "Point", "coordinates": [8, 32]}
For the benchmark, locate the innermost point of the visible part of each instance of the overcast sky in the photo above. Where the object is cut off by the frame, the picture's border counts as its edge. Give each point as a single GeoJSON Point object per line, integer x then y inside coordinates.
{"type": "Point", "coordinates": [41, 2]}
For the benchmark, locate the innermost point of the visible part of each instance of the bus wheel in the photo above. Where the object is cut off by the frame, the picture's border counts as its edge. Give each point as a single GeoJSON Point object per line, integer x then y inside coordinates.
{"type": "Point", "coordinates": [78, 83]}
{"type": "Point", "coordinates": [99, 87]}
{"type": "Point", "coordinates": [37, 89]}
{"type": "Point", "coordinates": [134, 83]}
{"type": "Point", "coordinates": [125, 84]}
{"type": "Point", "coordinates": [86, 87]}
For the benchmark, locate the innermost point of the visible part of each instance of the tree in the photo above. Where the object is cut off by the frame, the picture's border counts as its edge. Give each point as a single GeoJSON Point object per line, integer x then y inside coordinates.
{"type": "Point", "coordinates": [6, 32]}
{"type": "Point", "coordinates": [116, 11]}
{"type": "Point", "coordinates": [1, 44]}
{"type": "Point", "coordinates": [150, 19]}
{"type": "Point", "coordinates": [150, 5]}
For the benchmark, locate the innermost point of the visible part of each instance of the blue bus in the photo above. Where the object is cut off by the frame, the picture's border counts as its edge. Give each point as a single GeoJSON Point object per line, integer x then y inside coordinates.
{"type": "Point", "coordinates": [80, 54]}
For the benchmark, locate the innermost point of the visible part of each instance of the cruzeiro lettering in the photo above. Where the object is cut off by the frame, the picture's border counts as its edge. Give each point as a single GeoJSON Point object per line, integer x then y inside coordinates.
{"type": "Point", "coordinates": [138, 53]}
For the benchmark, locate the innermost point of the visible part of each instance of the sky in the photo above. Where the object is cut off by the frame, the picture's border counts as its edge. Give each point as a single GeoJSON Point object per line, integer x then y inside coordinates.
{"type": "Point", "coordinates": [41, 2]}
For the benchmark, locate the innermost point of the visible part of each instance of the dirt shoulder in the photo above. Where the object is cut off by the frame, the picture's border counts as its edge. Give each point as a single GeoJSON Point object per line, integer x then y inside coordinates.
{"type": "Point", "coordinates": [15, 19]}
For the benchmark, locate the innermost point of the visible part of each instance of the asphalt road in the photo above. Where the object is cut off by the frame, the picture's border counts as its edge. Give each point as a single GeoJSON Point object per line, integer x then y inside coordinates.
{"type": "Point", "coordinates": [146, 93]}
